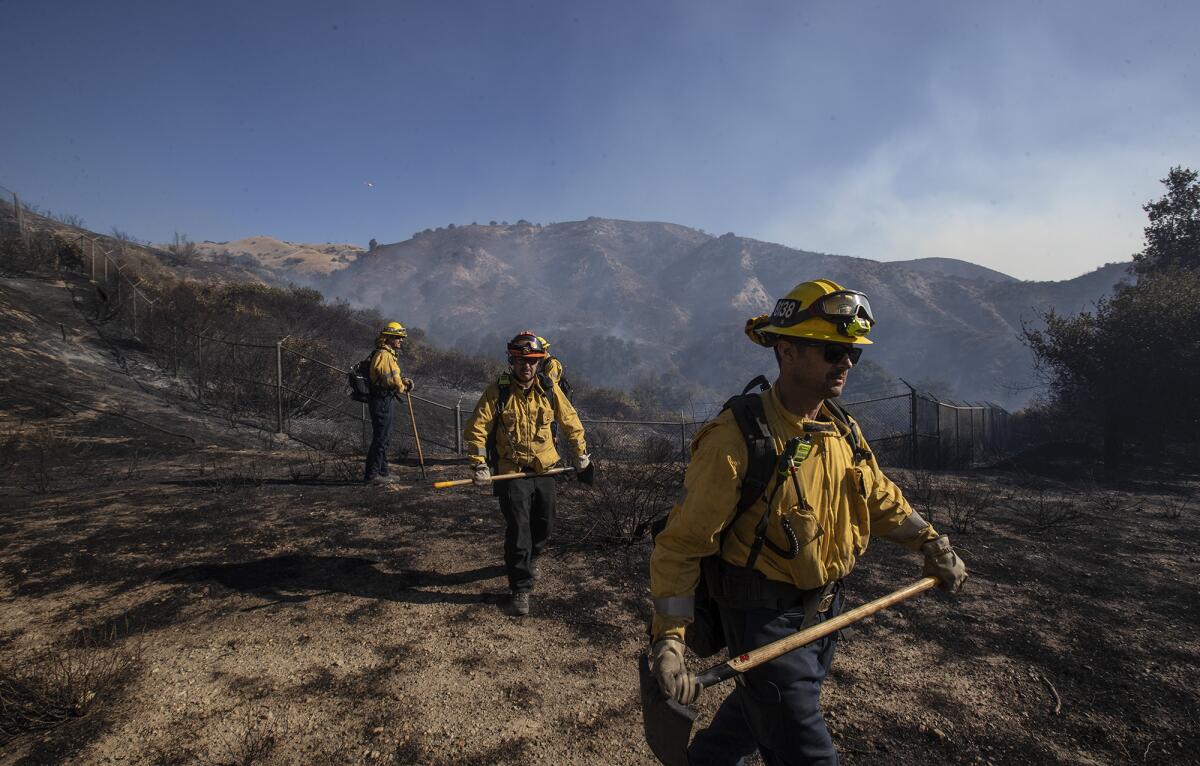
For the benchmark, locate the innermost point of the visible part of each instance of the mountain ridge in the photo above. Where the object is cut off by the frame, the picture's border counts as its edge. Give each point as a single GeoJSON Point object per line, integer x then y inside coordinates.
{"type": "Point", "coordinates": [678, 293]}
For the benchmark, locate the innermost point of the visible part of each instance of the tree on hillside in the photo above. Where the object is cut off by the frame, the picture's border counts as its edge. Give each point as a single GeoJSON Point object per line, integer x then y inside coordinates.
{"type": "Point", "coordinates": [1126, 372]}
{"type": "Point", "coordinates": [1173, 236]}
{"type": "Point", "coordinates": [182, 247]}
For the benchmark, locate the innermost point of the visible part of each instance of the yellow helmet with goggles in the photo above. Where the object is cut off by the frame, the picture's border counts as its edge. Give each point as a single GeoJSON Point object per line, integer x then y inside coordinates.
{"type": "Point", "coordinates": [818, 310]}
{"type": "Point", "coordinates": [394, 330]}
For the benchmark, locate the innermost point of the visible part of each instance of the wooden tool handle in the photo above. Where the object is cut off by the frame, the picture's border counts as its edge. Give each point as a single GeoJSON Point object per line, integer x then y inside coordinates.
{"type": "Point", "coordinates": [756, 657]}
{"type": "Point", "coordinates": [500, 477]}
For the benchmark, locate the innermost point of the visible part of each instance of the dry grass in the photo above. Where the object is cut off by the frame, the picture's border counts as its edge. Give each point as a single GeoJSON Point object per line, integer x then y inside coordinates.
{"type": "Point", "coordinates": [1042, 510]}
{"type": "Point", "coordinates": [627, 497]}
{"type": "Point", "coordinates": [965, 503]}
{"type": "Point", "coordinates": [40, 691]}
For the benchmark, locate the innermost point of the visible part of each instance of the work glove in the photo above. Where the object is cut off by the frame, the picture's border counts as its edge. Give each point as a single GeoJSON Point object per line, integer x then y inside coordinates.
{"type": "Point", "coordinates": [585, 469]}
{"type": "Point", "coordinates": [943, 563]}
{"type": "Point", "coordinates": [408, 385]}
{"type": "Point", "coordinates": [482, 476]}
{"type": "Point", "coordinates": [666, 664]}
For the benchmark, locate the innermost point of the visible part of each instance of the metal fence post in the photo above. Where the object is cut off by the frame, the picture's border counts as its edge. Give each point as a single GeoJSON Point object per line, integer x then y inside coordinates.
{"type": "Point", "coordinates": [363, 432]}
{"type": "Point", "coordinates": [93, 257]}
{"type": "Point", "coordinates": [912, 428]}
{"type": "Point", "coordinates": [912, 423]}
{"type": "Point", "coordinates": [279, 386]}
{"type": "Point", "coordinates": [199, 368]}
{"type": "Point", "coordinates": [458, 439]}
{"type": "Point", "coordinates": [957, 435]}
{"type": "Point", "coordinates": [682, 437]}
{"type": "Point", "coordinates": [937, 419]}
{"type": "Point", "coordinates": [970, 435]}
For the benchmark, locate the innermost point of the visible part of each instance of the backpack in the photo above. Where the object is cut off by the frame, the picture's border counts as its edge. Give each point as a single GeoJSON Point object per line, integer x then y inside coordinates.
{"type": "Point", "coordinates": [359, 378]}
{"type": "Point", "coordinates": [564, 385]}
{"type": "Point", "coordinates": [502, 384]}
{"type": "Point", "coordinates": [706, 635]}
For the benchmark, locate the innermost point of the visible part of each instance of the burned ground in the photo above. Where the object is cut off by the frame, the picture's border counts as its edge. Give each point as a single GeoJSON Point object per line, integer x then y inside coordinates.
{"type": "Point", "coordinates": [175, 591]}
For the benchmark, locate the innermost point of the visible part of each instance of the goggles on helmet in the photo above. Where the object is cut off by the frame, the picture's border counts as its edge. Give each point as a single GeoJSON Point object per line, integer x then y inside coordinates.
{"type": "Point", "coordinates": [526, 346]}
{"type": "Point", "coordinates": [394, 329]}
{"type": "Point", "coordinates": [848, 309]}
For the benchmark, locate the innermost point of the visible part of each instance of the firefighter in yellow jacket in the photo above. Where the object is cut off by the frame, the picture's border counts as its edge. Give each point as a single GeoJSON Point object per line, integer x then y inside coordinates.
{"type": "Point", "coordinates": [515, 414]}
{"type": "Point", "coordinates": [386, 384]}
{"type": "Point", "coordinates": [779, 563]}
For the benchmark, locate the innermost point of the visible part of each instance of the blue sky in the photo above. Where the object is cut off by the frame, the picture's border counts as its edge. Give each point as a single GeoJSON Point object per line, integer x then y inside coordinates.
{"type": "Point", "coordinates": [1023, 136]}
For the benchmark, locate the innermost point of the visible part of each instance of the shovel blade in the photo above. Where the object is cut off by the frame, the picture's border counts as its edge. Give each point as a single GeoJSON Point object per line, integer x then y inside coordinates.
{"type": "Point", "coordinates": [668, 724]}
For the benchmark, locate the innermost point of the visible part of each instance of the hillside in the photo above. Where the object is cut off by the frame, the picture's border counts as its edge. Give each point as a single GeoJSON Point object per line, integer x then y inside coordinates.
{"type": "Point", "coordinates": [281, 260]}
{"type": "Point", "coordinates": [676, 294]}
{"type": "Point", "coordinates": [644, 304]}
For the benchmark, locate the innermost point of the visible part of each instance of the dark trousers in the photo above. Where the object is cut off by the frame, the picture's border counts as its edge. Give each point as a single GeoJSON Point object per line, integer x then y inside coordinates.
{"type": "Point", "coordinates": [528, 508]}
{"type": "Point", "coordinates": [774, 708]}
{"type": "Point", "coordinates": [381, 408]}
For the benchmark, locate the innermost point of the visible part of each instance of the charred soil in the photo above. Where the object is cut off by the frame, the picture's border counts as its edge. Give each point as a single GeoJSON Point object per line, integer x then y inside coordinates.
{"type": "Point", "coordinates": [231, 598]}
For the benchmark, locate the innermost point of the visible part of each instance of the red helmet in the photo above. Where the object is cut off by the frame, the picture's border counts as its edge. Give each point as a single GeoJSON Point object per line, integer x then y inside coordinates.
{"type": "Point", "coordinates": [526, 345]}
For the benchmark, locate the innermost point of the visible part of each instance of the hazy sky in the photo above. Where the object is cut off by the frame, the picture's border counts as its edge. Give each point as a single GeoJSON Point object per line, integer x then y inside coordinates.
{"type": "Point", "coordinates": [1024, 136]}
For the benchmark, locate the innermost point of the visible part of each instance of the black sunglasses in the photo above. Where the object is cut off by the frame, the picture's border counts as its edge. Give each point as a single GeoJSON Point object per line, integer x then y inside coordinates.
{"type": "Point", "coordinates": [834, 352]}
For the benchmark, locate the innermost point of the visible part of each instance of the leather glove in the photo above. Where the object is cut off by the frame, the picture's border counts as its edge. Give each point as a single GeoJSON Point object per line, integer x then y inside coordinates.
{"type": "Point", "coordinates": [666, 663]}
{"type": "Point", "coordinates": [409, 385]}
{"type": "Point", "coordinates": [943, 563]}
{"type": "Point", "coordinates": [585, 469]}
{"type": "Point", "coordinates": [482, 476]}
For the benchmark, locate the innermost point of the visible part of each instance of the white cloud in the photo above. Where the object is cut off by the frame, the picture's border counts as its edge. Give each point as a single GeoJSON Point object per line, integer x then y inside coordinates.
{"type": "Point", "coordinates": [1040, 181]}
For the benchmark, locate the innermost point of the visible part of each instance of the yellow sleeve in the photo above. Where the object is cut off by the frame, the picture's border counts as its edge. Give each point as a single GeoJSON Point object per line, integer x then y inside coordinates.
{"type": "Point", "coordinates": [711, 492]}
{"type": "Point", "coordinates": [385, 372]}
{"type": "Point", "coordinates": [892, 518]}
{"type": "Point", "coordinates": [479, 425]}
{"type": "Point", "coordinates": [554, 369]}
{"type": "Point", "coordinates": [568, 418]}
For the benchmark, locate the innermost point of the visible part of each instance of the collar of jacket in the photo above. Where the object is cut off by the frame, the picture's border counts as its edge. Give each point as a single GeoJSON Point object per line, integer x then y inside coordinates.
{"type": "Point", "coordinates": [828, 425]}
{"type": "Point", "coordinates": [515, 387]}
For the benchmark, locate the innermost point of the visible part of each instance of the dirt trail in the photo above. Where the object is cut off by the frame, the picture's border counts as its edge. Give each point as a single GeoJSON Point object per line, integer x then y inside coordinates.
{"type": "Point", "coordinates": [276, 620]}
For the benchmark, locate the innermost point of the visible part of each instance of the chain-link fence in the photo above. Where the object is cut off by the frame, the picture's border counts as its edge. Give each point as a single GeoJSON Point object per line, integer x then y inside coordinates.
{"type": "Point", "coordinates": [914, 429]}
{"type": "Point", "coordinates": [282, 385]}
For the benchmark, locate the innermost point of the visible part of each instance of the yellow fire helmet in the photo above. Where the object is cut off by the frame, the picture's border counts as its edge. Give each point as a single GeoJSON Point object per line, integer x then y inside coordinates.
{"type": "Point", "coordinates": [394, 330]}
{"type": "Point", "coordinates": [545, 343]}
{"type": "Point", "coordinates": [819, 310]}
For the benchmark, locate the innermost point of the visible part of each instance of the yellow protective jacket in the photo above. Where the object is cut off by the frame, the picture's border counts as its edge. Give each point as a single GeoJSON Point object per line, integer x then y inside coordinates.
{"type": "Point", "coordinates": [523, 437]}
{"type": "Point", "coordinates": [385, 369]}
{"type": "Point", "coordinates": [845, 503]}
